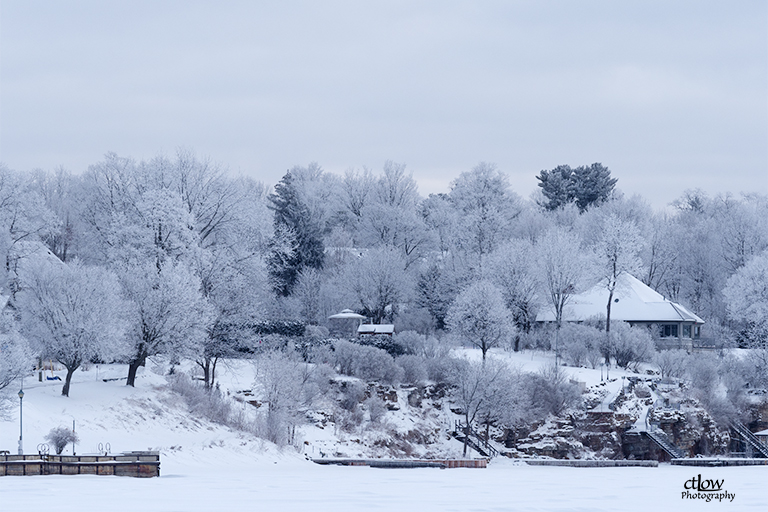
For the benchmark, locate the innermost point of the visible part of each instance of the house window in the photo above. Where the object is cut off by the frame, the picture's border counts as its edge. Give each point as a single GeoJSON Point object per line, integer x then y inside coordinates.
{"type": "Point", "coordinates": [686, 331]}
{"type": "Point", "coordinates": [696, 331]}
{"type": "Point", "coordinates": [668, 331]}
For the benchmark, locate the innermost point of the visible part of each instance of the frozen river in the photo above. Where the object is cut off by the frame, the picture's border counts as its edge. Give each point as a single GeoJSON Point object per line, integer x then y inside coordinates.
{"type": "Point", "coordinates": [295, 485]}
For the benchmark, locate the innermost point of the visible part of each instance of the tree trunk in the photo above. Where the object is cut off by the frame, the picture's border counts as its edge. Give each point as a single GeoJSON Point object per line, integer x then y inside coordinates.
{"type": "Point", "coordinates": [132, 367]}
{"type": "Point", "coordinates": [608, 311]}
{"type": "Point", "coordinates": [205, 364]}
{"type": "Point", "coordinates": [466, 434]}
{"type": "Point", "coordinates": [68, 381]}
{"type": "Point", "coordinates": [213, 370]}
{"type": "Point", "coordinates": [139, 359]}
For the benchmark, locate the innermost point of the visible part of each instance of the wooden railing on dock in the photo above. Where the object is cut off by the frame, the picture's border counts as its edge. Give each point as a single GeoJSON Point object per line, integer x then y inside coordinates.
{"type": "Point", "coordinates": [136, 464]}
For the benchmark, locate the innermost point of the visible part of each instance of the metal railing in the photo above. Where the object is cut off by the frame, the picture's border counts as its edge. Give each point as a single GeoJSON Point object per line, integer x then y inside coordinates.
{"type": "Point", "coordinates": [474, 440]}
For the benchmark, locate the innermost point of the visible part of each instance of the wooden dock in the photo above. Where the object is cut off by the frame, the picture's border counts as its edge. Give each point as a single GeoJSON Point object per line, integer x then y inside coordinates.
{"type": "Point", "coordinates": [717, 463]}
{"type": "Point", "coordinates": [407, 463]}
{"type": "Point", "coordinates": [135, 464]}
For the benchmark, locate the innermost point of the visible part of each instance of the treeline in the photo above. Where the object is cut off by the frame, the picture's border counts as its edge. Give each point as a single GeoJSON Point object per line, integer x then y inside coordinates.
{"type": "Point", "coordinates": [175, 256]}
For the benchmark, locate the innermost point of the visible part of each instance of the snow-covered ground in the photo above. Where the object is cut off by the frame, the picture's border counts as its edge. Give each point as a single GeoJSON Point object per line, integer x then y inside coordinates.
{"type": "Point", "coordinates": [213, 484]}
{"type": "Point", "coordinates": [209, 467]}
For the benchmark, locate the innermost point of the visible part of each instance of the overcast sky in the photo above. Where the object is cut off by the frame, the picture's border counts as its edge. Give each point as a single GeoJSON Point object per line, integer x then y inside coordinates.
{"type": "Point", "coordinates": [669, 95]}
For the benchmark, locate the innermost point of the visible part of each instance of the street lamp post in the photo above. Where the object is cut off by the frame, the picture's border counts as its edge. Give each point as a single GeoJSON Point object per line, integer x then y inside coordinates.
{"type": "Point", "coordinates": [21, 430]}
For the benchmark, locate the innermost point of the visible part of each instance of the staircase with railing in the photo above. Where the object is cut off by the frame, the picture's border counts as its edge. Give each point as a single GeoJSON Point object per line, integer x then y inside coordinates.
{"type": "Point", "coordinates": [749, 438]}
{"type": "Point", "coordinates": [660, 438]}
{"type": "Point", "coordinates": [480, 444]}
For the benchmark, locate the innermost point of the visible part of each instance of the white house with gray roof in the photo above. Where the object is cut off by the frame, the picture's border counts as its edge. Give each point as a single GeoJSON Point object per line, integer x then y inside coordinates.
{"type": "Point", "coordinates": [636, 303]}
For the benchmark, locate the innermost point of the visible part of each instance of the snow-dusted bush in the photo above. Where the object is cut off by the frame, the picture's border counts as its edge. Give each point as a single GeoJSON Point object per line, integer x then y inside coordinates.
{"type": "Point", "coordinates": [438, 369]}
{"type": "Point", "coordinates": [60, 437]}
{"type": "Point", "coordinates": [352, 393]}
{"type": "Point", "coordinates": [376, 408]}
{"type": "Point", "coordinates": [411, 341]}
{"type": "Point", "coordinates": [388, 344]}
{"type": "Point", "coordinates": [702, 372]}
{"type": "Point", "coordinates": [630, 345]}
{"type": "Point", "coordinates": [376, 365]}
{"type": "Point", "coordinates": [579, 344]}
{"type": "Point", "coordinates": [540, 338]}
{"type": "Point", "coordinates": [414, 369]}
{"type": "Point", "coordinates": [550, 391]}
{"type": "Point", "coordinates": [344, 356]}
{"type": "Point", "coordinates": [210, 404]}
{"type": "Point", "coordinates": [670, 363]}
{"type": "Point", "coordinates": [367, 363]}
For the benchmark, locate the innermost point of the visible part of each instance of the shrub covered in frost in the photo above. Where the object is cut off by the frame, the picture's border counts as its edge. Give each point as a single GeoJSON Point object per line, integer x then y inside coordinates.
{"type": "Point", "coordinates": [579, 344]}
{"type": "Point", "coordinates": [367, 363]}
{"type": "Point", "coordinates": [414, 369]}
{"type": "Point", "coordinates": [60, 437]}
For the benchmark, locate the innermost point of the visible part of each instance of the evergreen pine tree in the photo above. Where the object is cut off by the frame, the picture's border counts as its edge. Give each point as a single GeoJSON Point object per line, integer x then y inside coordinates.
{"type": "Point", "coordinates": [557, 186]}
{"type": "Point", "coordinates": [297, 243]}
{"type": "Point", "coordinates": [585, 185]}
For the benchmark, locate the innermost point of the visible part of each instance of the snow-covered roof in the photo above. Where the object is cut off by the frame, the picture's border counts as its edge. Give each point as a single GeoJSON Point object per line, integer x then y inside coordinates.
{"type": "Point", "coordinates": [633, 301]}
{"type": "Point", "coordinates": [347, 313]}
{"type": "Point", "coordinates": [376, 329]}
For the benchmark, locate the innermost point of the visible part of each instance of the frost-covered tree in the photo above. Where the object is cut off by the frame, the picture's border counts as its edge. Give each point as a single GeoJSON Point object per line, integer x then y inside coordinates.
{"type": "Point", "coordinates": [476, 388]}
{"type": "Point", "coordinates": [73, 313]}
{"type": "Point", "coordinates": [486, 208]}
{"type": "Point", "coordinates": [234, 286]}
{"type": "Point", "coordinates": [355, 193]}
{"type": "Point", "coordinates": [594, 185]}
{"type": "Point", "coordinates": [581, 344]}
{"type": "Point", "coordinates": [746, 294]}
{"type": "Point", "coordinates": [660, 253]}
{"type": "Point", "coordinates": [550, 391]}
{"type": "Point", "coordinates": [390, 218]}
{"type": "Point", "coordinates": [435, 291]}
{"type": "Point", "coordinates": [284, 382]}
{"type": "Point", "coordinates": [617, 251]}
{"type": "Point", "coordinates": [442, 219]}
{"type": "Point", "coordinates": [24, 218]}
{"type": "Point", "coordinates": [60, 192]}
{"type": "Point", "coordinates": [379, 283]}
{"type": "Point", "coordinates": [742, 229]}
{"type": "Point", "coordinates": [167, 312]}
{"type": "Point", "coordinates": [560, 270]}
{"type": "Point", "coordinates": [295, 228]}
{"type": "Point", "coordinates": [511, 267]}
{"type": "Point", "coordinates": [479, 316]}
{"type": "Point", "coordinates": [14, 349]}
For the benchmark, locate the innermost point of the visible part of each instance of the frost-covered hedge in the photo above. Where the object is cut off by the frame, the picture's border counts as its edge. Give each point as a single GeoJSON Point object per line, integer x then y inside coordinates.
{"type": "Point", "coordinates": [367, 363]}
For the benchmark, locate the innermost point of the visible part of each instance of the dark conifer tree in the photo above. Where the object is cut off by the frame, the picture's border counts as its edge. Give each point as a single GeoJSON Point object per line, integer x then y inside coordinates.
{"type": "Point", "coordinates": [593, 185]}
{"type": "Point", "coordinates": [557, 186]}
{"type": "Point", "coordinates": [297, 243]}
{"type": "Point", "coordinates": [585, 185]}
